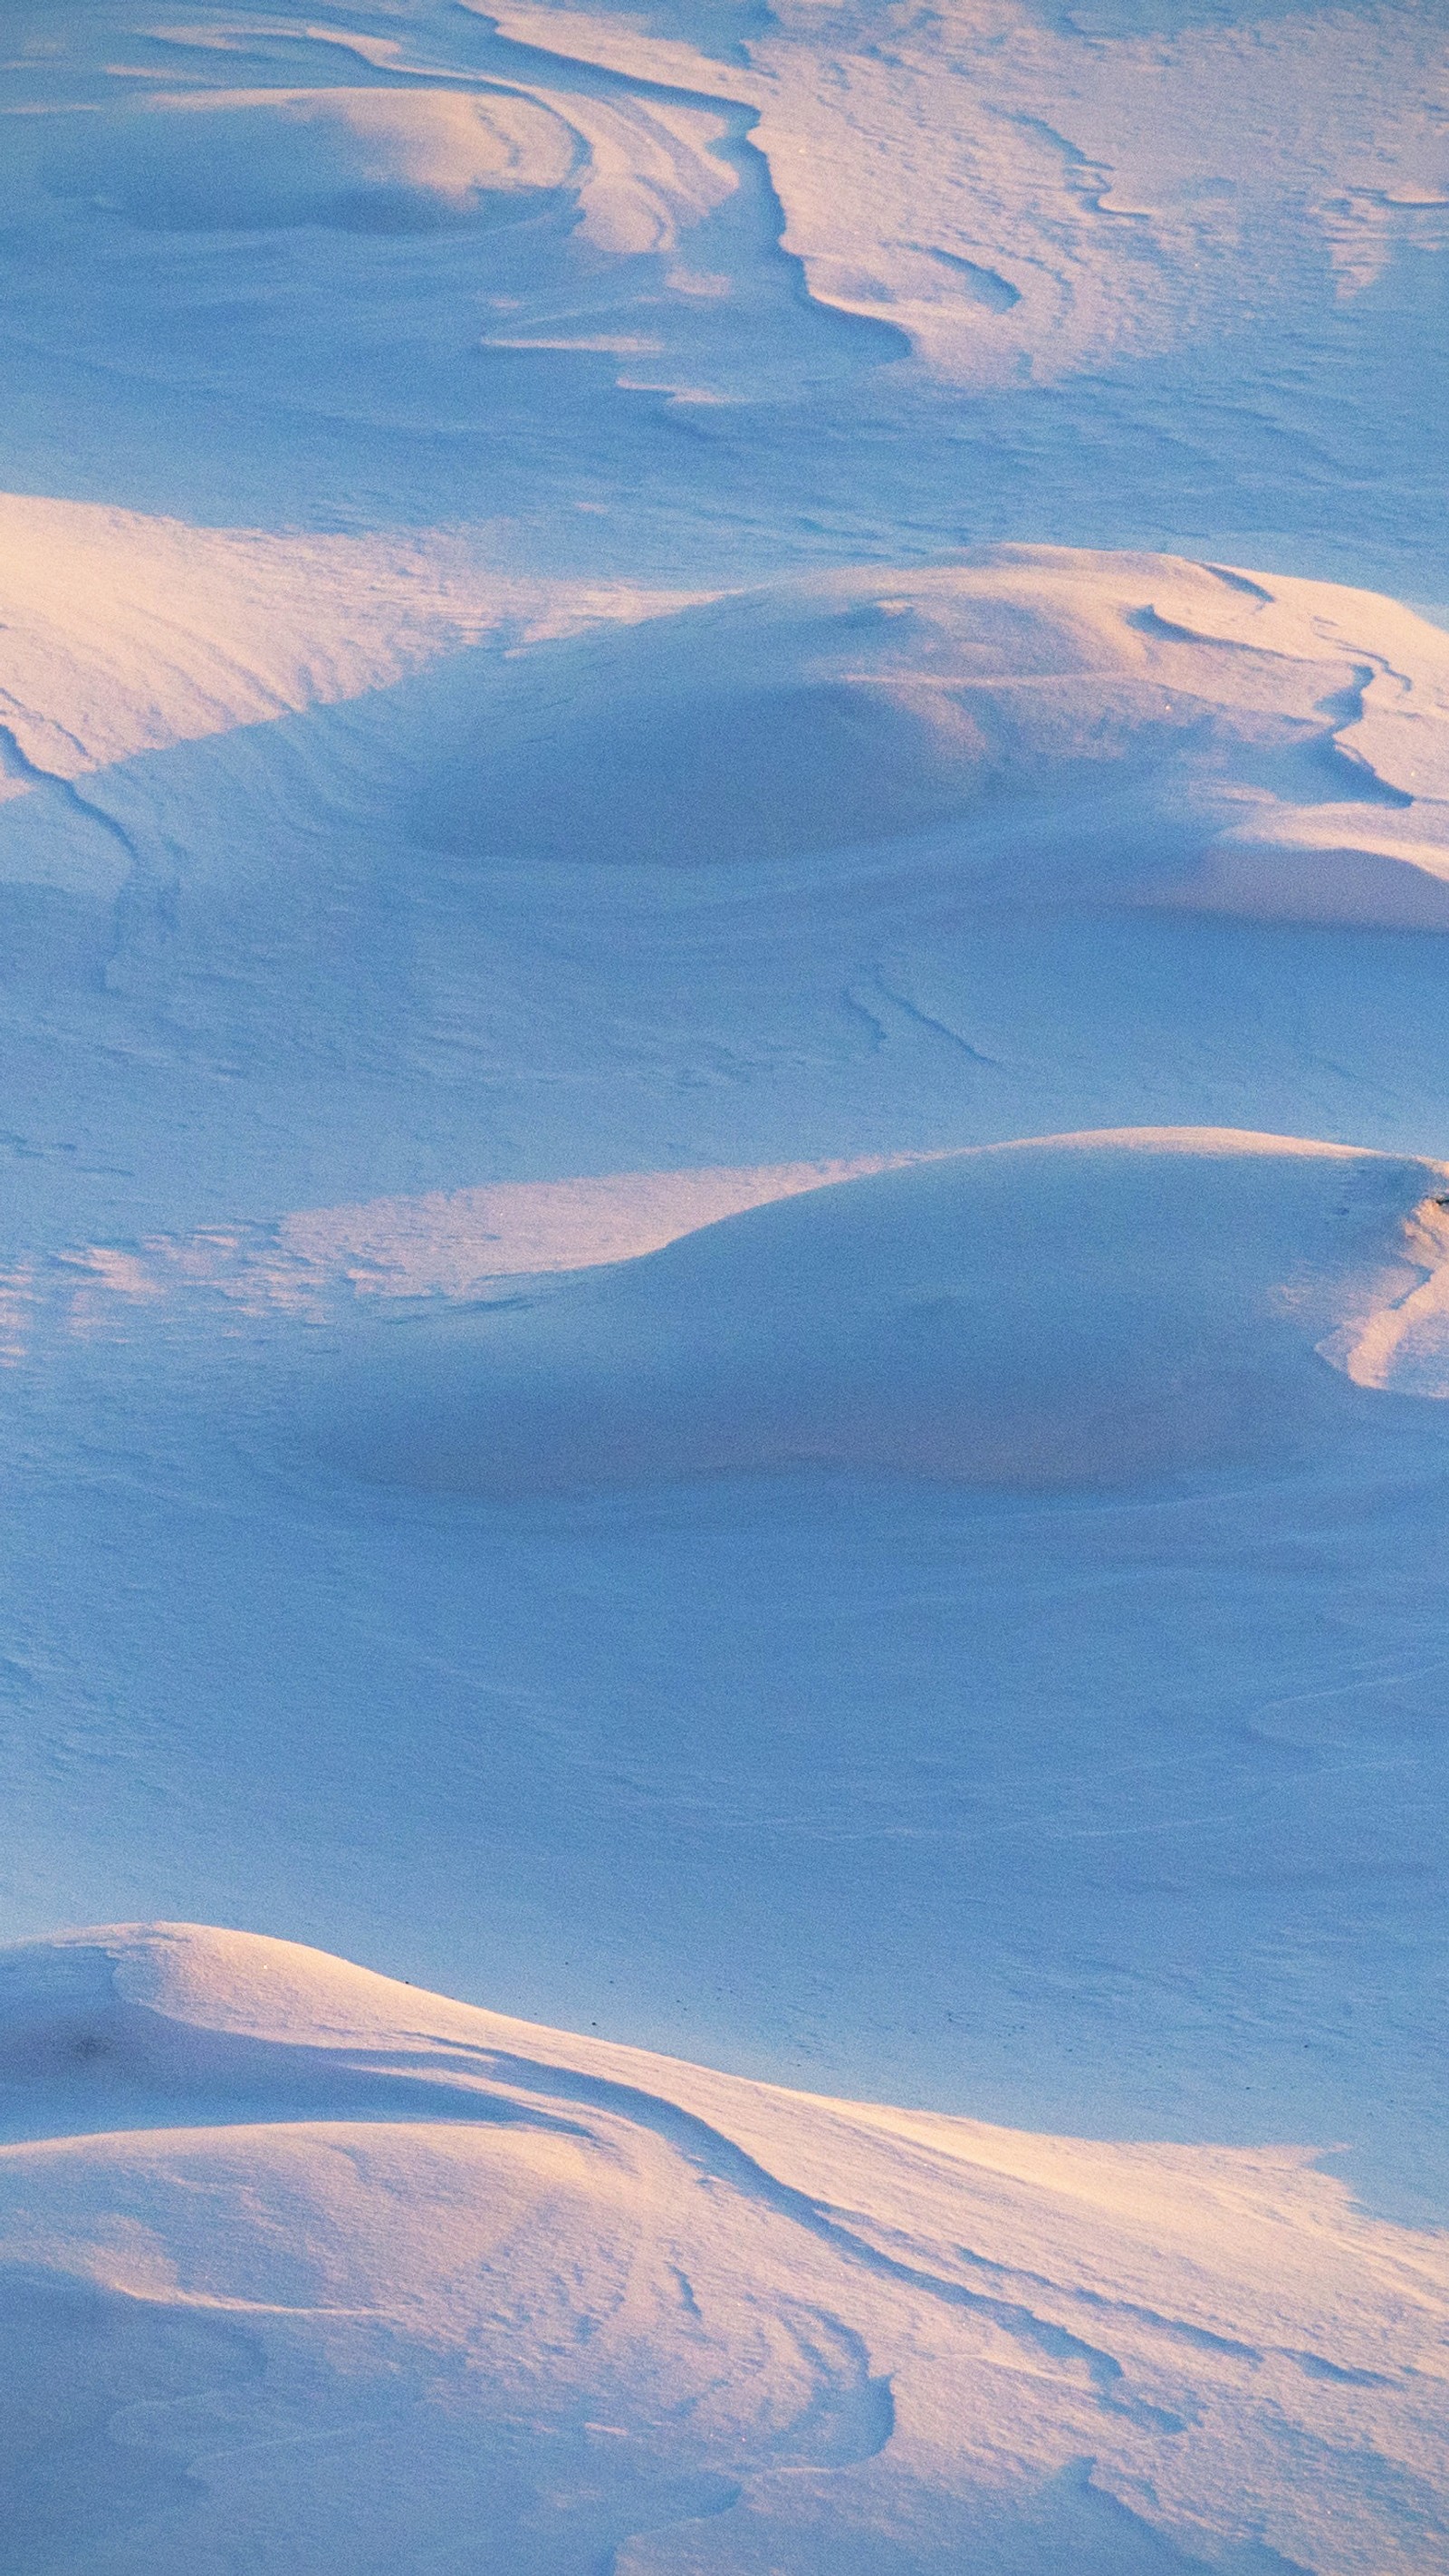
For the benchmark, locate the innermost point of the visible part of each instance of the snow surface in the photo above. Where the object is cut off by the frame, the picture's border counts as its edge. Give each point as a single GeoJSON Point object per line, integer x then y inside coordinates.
{"type": "Point", "coordinates": [1085, 1311]}
{"type": "Point", "coordinates": [356, 2272]}
{"type": "Point", "coordinates": [724, 1301]}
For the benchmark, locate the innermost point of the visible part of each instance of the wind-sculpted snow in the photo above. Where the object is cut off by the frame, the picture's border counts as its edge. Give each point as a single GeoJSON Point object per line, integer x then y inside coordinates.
{"type": "Point", "coordinates": [125, 635]}
{"type": "Point", "coordinates": [1111, 727]}
{"type": "Point", "coordinates": [392, 724]}
{"type": "Point", "coordinates": [264, 160]}
{"type": "Point", "coordinates": [1028, 188]}
{"type": "Point", "coordinates": [455, 1244]}
{"type": "Point", "coordinates": [1086, 1310]}
{"type": "Point", "coordinates": [382, 160]}
{"type": "Point", "coordinates": [324, 2269]}
{"type": "Point", "coordinates": [1177, 257]}
{"type": "Point", "coordinates": [724, 1287]}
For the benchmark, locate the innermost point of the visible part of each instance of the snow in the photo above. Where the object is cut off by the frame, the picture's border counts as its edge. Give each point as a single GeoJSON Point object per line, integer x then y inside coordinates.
{"type": "Point", "coordinates": [1088, 1310]}
{"type": "Point", "coordinates": [1028, 190]}
{"type": "Point", "coordinates": [612, 2306]}
{"type": "Point", "coordinates": [1084, 725]}
{"type": "Point", "coordinates": [127, 635]}
{"type": "Point", "coordinates": [724, 1287]}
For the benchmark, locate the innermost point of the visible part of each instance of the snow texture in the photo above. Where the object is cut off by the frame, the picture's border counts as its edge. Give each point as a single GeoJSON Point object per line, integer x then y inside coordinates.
{"type": "Point", "coordinates": [349, 2268]}
{"type": "Point", "coordinates": [724, 1287]}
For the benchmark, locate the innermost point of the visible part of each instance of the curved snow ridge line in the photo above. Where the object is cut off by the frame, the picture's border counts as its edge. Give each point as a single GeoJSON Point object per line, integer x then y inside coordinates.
{"type": "Point", "coordinates": [247, 1986]}
{"type": "Point", "coordinates": [641, 156]}
{"type": "Point", "coordinates": [1401, 1346]}
{"type": "Point", "coordinates": [718, 2155]}
{"type": "Point", "coordinates": [663, 134]}
{"type": "Point", "coordinates": [923, 187]}
{"type": "Point", "coordinates": [1404, 1344]}
{"type": "Point", "coordinates": [1393, 715]}
{"type": "Point", "coordinates": [724, 2278]}
{"type": "Point", "coordinates": [122, 634]}
{"type": "Point", "coordinates": [1049, 1313]}
{"type": "Point", "coordinates": [921, 190]}
{"type": "Point", "coordinates": [502, 2086]}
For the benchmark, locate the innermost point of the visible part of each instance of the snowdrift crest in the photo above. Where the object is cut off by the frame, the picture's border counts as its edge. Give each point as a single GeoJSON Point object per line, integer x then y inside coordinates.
{"type": "Point", "coordinates": [1078, 1310]}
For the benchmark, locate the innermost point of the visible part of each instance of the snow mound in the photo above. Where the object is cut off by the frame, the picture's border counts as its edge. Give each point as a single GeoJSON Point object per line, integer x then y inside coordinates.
{"type": "Point", "coordinates": [308, 2263]}
{"type": "Point", "coordinates": [375, 160]}
{"type": "Point", "coordinates": [1077, 1310]}
{"type": "Point", "coordinates": [1066, 725]}
{"type": "Point", "coordinates": [455, 1243]}
{"type": "Point", "coordinates": [365, 160]}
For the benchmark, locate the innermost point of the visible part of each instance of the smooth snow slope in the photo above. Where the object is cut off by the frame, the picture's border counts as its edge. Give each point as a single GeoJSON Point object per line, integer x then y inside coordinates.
{"type": "Point", "coordinates": [126, 634]}
{"type": "Point", "coordinates": [1112, 1804]}
{"type": "Point", "coordinates": [316, 2269]}
{"type": "Point", "coordinates": [1090, 1310]}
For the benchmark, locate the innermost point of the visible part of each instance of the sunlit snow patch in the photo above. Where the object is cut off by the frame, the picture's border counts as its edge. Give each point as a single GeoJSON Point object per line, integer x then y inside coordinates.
{"type": "Point", "coordinates": [452, 1244]}
{"type": "Point", "coordinates": [125, 634]}
{"type": "Point", "coordinates": [312, 2263]}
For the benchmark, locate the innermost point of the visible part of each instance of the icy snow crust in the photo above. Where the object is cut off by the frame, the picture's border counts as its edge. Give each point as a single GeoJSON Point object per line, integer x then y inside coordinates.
{"type": "Point", "coordinates": [724, 1301]}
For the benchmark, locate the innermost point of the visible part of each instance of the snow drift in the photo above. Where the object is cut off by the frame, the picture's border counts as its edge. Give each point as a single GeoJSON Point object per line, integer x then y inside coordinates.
{"type": "Point", "coordinates": [1068, 725]}
{"type": "Point", "coordinates": [323, 2268]}
{"type": "Point", "coordinates": [371, 160]}
{"type": "Point", "coordinates": [354, 897]}
{"type": "Point", "coordinates": [1081, 1309]}
{"type": "Point", "coordinates": [1032, 726]}
{"type": "Point", "coordinates": [1033, 188]}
